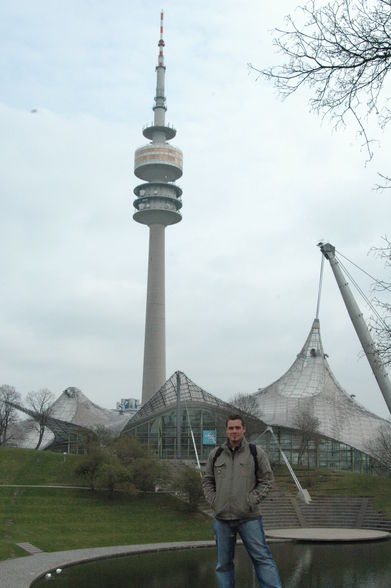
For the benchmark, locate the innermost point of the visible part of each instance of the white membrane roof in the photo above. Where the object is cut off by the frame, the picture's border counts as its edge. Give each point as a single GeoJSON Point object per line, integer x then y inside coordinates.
{"type": "Point", "coordinates": [309, 385]}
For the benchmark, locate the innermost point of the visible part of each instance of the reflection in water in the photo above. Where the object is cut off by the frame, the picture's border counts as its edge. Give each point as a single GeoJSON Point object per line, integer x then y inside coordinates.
{"type": "Point", "coordinates": [303, 564]}
{"type": "Point", "coordinates": [346, 565]}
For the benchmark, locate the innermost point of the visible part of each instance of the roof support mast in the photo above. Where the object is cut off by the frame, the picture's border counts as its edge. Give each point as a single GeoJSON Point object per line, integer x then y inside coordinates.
{"type": "Point", "coordinates": [359, 324]}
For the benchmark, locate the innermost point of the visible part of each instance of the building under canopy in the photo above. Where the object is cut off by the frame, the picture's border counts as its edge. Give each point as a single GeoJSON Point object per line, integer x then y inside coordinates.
{"type": "Point", "coordinates": [345, 429]}
{"type": "Point", "coordinates": [181, 419]}
{"type": "Point", "coordinates": [71, 417]}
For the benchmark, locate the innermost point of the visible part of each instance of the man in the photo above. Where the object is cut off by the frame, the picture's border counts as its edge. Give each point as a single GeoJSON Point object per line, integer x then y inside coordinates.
{"type": "Point", "coordinates": [237, 477]}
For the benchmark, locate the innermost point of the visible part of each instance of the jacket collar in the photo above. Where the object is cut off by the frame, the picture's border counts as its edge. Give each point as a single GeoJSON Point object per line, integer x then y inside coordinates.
{"type": "Point", "coordinates": [243, 444]}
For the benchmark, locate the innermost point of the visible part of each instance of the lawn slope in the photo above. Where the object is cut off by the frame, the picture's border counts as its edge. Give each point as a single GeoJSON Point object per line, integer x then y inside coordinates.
{"type": "Point", "coordinates": [68, 518]}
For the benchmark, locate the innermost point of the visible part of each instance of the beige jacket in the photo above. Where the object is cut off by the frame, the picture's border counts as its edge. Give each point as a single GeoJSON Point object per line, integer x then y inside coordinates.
{"type": "Point", "coordinates": [231, 488]}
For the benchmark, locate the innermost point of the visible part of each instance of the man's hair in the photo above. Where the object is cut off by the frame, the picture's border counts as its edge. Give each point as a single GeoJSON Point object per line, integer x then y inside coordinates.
{"type": "Point", "coordinates": [235, 417]}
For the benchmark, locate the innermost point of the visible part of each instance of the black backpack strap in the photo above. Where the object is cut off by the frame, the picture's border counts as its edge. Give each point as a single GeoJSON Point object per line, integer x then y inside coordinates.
{"type": "Point", "coordinates": [216, 455]}
{"type": "Point", "coordinates": [253, 449]}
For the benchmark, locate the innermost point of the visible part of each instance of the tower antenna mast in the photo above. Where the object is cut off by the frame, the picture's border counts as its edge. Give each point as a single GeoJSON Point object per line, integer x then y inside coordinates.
{"type": "Point", "coordinates": [161, 41]}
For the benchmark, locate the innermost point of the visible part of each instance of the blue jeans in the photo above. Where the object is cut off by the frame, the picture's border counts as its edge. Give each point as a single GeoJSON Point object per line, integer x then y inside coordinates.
{"type": "Point", "coordinates": [253, 537]}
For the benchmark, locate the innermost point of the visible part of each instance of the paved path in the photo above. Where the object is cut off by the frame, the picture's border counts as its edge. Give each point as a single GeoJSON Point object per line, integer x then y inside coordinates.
{"type": "Point", "coordinates": [327, 534]}
{"type": "Point", "coordinates": [22, 571]}
{"type": "Point", "coordinates": [67, 486]}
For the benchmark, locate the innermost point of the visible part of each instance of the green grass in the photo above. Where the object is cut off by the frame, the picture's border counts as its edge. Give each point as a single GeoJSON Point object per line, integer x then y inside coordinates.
{"type": "Point", "coordinates": [24, 466]}
{"type": "Point", "coordinates": [68, 518]}
{"type": "Point", "coordinates": [55, 519]}
{"type": "Point", "coordinates": [337, 483]}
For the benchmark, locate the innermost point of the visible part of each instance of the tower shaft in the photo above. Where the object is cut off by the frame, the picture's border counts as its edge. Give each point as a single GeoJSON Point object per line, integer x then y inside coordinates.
{"type": "Point", "coordinates": [154, 370]}
{"type": "Point", "coordinates": [158, 203]}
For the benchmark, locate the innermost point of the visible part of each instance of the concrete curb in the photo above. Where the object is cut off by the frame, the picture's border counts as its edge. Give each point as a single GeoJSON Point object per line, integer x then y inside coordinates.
{"type": "Point", "coordinates": [327, 535]}
{"type": "Point", "coordinates": [22, 571]}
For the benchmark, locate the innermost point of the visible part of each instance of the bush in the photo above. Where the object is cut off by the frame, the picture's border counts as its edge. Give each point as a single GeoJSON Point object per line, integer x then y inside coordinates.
{"type": "Point", "coordinates": [90, 466]}
{"type": "Point", "coordinates": [122, 462]}
{"type": "Point", "coordinates": [114, 474]}
{"type": "Point", "coordinates": [188, 482]}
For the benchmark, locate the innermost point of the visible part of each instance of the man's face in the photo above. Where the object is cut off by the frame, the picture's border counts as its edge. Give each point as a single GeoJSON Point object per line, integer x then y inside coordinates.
{"type": "Point", "coordinates": [235, 432]}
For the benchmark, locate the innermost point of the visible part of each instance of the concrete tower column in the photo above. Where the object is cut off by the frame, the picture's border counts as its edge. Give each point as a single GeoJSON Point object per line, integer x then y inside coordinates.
{"type": "Point", "coordinates": [158, 203]}
{"type": "Point", "coordinates": [155, 320]}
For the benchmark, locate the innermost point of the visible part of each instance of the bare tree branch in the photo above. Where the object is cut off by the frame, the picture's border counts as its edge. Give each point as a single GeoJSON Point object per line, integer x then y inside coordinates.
{"type": "Point", "coordinates": [247, 404]}
{"type": "Point", "coordinates": [342, 52]}
{"type": "Point", "coordinates": [8, 414]}
{"type": "Point", "coordinates": [41, 403]}
{"type": "Point", "coordinates": [380, 448]}
{"type": "Point", "coordinates": [385, 185]}
{"type": "Point", "coordinates": [308, 426]}
{"type": "Point", "coordinates": [380, 322]}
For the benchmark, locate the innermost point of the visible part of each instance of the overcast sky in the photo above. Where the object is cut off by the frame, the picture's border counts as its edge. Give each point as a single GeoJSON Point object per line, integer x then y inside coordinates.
{"type": "Point", "coordinates": [264, 180]}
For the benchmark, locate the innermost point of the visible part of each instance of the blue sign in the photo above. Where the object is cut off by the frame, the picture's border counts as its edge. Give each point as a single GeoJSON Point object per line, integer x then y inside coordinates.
{"type": "Point", "coordinates": [209, 437]}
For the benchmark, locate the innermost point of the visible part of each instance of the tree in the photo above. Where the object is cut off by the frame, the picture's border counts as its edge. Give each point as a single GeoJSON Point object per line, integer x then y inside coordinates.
{"type": "Point", "coordinates": [380, 448]}
{"type": "Point", "coordinates": [112, 474]}
{"type": "Point", "coordinates": [100, 436]}
{"type": "Point", "coordinates": [41, 403]}
{"type": "Point", "coordinates": [380, 322]}
{"type": "Point", "coordinates": [103, 469]}
{"type": "Point", "coordinates": [342, 52]}
{"type": "Point", "coordinates": [119, 463]}
{"type": "Point", "coordinates": [146, 470]}
{"type": "Point", "coordinates": [88, 468]}
{"type": "Point", "coordinates": [129, 449]}
{"type": "Point", "coordinates": [246, 404]}
{"type": "Point", "coordinates": [8, 414]}
{"type": "Point", "coordinates": [308, 427]}
{"type": "Point", "coordinates": [188, 482]}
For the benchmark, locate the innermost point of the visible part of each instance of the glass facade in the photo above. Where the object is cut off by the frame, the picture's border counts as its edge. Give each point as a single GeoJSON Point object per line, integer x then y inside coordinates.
{"type": "Point", "coordinates": [322, 452]}
{"type": "Point", "coordinates": [183, 421]}
{"type": "Point", "coordinates": [69, 442]}
{"type": "Point", "coordinates": [197, 428]}
{"type": "Point", "coordinates": [160, 434]}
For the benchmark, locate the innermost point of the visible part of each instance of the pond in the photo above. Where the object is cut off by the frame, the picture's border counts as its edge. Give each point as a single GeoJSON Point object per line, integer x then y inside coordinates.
{"type": "Point", "coordinates": [344, 565]}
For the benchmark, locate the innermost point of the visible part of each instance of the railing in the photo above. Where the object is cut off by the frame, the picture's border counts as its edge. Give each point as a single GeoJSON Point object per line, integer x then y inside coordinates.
{"type": "Point", "coordinates": [152, 124]}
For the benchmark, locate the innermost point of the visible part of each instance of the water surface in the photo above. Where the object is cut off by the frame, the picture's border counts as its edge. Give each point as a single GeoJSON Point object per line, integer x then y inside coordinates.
{"type": "Point", "coordinates": [345, 565]}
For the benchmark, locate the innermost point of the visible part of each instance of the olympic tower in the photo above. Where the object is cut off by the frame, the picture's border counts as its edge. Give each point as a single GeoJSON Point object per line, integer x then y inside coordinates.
{"type": "Point", "coordinates": [158, 204]}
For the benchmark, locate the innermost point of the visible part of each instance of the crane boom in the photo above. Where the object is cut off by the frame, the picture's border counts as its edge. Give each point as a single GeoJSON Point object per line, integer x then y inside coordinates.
{"type": "Point", "coordinates": [359, 324]}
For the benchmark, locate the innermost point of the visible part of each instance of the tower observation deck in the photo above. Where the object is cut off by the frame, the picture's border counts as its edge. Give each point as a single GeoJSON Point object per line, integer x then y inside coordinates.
{"type": "Point", "coordinates": [158, 203]}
